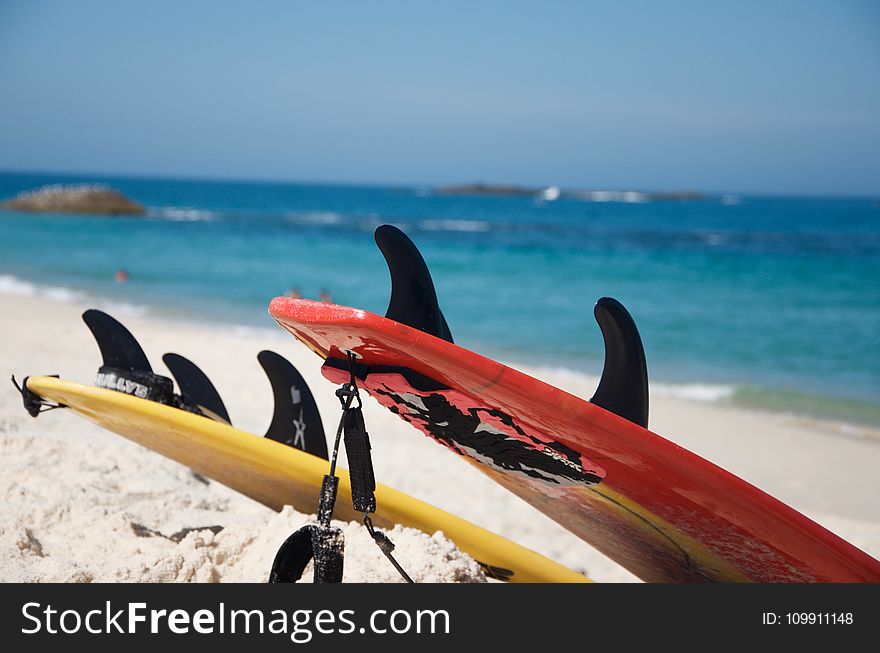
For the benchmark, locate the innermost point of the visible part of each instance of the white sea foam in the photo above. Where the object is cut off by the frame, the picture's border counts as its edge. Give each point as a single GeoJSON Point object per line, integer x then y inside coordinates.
{"type": "Point", "coordinates": [559, 376]}
{"type": "Point", "coordinates": [183, 214]}
{"type": "Point", "coordinates": [712, 239]}
{"type": "Point", "coordinates": [634, 197]}
{"type": "Point", "coordinates": [252, 331]}
{"type": "Point", "coordinates": [119, 308]}
{"type": "Point", "coordinates": [550, 194]}
{"type": "Point", "coordinates": [709, 392]}
{"type": "Point", "coordinates": [584, 384]}
{"type": "Point", "coordinates": [629, 196]}
{"type": "Point", "coordinates": [316, 217]}
{"type": "Point", "coordinates": [455, 225]}
{"type": "Point", "coordinates": [12, 285]}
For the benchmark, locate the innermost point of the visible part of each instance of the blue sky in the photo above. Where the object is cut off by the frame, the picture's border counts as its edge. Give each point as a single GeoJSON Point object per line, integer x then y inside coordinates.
{"type": "Point", "coordinates": [771, 97]}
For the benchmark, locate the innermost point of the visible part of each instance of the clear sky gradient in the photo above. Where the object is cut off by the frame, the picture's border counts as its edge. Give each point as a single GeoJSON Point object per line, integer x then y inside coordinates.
{"type": "Point", "coordinates": [769, 97]}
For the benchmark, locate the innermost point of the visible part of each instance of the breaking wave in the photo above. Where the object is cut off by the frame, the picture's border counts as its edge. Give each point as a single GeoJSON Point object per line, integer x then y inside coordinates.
{"type": "Point", "coordinates": [12, 285]}
{"type": "Point", "coordinates": [182, 214]}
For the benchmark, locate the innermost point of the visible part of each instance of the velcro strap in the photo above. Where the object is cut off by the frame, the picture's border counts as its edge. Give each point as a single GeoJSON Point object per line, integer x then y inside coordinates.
{"type": "Point", "coordinates": [321, 544]}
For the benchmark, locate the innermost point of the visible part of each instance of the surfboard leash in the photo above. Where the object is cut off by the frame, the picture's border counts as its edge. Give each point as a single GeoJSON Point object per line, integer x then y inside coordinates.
{"type": "Point", "coordinates": [34, 404]}
{"type": "Point", "coordinates": [360, 464]}
{"type": "Point", "coordinates": [323, 542]}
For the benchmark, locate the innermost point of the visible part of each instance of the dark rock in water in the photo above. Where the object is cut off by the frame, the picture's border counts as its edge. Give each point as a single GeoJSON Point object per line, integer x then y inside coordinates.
{"type": "Point", "coordinates": [678, 195]}
{"type": "Point", "coordinates": [487, 189]}
{"type": "Point", "coordinates": [94, 199]}
{"type": "Point", "coordinates": [553, 192]}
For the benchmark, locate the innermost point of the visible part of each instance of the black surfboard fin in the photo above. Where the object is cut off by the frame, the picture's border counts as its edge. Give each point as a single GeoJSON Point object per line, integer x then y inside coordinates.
{"type": "Point", "coordinates": [196, 388]}
{"type": "Point", "coordinates": [119, 348]}
{"type": "Point", "coordinates": [413, 297]}
{"type": "Point", "coordinates": [296, 420]}
{"type": "Point", "coordinates": [623, 389]}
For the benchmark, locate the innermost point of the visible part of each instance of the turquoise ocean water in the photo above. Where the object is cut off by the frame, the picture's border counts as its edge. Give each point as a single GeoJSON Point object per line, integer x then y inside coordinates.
{"type": "Point", "coordinates": [767, 302]}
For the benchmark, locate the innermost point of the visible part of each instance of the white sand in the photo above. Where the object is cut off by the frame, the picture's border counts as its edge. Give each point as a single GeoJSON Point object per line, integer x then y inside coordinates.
{"type": "Point", "coordinates": [71, 492]}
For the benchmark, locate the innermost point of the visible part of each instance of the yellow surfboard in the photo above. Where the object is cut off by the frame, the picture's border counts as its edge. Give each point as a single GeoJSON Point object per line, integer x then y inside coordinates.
{"type": "Point", "coordinates": [277, 475]}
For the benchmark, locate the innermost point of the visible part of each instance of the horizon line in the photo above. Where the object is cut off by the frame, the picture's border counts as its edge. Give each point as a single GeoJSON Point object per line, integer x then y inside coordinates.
{"type": "Point", "coordinates": [385, 184]}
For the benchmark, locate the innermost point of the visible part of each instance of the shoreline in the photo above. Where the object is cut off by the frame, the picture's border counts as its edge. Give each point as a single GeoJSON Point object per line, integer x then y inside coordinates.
{"type": "Point", "coordinates": [823, 469]}
{"type": "Point", "coordinates": [743, 396]}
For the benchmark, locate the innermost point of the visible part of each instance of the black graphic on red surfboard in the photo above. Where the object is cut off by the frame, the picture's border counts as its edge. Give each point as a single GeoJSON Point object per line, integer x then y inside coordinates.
{"type": "Point", "coordinates": [472, 429]}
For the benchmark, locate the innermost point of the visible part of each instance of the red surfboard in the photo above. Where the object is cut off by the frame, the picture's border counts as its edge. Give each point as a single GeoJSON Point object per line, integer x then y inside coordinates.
{"type": "Point", "coordinates": [659, 510]}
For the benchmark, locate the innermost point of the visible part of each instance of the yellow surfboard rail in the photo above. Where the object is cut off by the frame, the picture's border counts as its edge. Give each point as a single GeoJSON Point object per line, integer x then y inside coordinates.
{"type": "Point", "coordinates": [277, 475]}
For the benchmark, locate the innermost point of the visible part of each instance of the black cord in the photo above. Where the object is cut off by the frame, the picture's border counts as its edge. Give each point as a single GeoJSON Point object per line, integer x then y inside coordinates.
{"type": "Point", "coordinates": [386, 546]}
{"type": "Point", "coordinates": [347, 394]}
{"type": "Point", "coordinates": [33, 403]}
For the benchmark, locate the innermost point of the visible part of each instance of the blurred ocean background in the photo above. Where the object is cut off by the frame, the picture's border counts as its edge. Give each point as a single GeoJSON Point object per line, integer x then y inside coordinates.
{"type": "Point", "coordinates": [768, 302]}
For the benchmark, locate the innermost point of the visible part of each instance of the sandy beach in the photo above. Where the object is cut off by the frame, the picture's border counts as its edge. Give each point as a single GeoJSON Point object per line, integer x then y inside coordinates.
{"type": "Point", "coordinates": [82, 504]}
